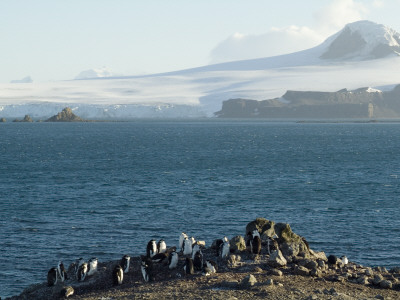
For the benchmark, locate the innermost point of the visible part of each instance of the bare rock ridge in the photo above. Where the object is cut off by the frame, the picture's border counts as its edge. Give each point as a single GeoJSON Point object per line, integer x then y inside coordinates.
{"type": "Point", "coordinates": [66, 115]}
{"type": "Point", "coordinates": [360, 103]}
{"type": "Point", "coordinates": [284, 267]}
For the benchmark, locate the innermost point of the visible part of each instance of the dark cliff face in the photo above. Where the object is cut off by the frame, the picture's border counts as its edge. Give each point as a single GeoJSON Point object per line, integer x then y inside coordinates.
{"type": "Point", "coordinates": [66, 115]}
{"type": "Point", "coordinates": [360, 103]}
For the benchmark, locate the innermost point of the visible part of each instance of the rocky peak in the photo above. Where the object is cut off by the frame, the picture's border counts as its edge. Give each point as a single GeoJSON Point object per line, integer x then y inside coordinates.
{"type": "Point", "coordinates": [66, 115]}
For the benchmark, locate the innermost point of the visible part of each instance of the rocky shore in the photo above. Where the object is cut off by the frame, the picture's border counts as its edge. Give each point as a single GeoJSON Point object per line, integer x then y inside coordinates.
{"type": "Point", "coordinates": [285, 268]}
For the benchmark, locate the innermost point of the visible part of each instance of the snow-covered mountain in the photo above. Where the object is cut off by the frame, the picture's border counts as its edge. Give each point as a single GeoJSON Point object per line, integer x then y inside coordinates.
{"type": "Point", "coordinates": [362, 40]}
{"type": "Point", "coordinates": [362, 54]}
{"type": "Point", "coordinates": [94, 73]}
{"type": "Point", "coordinates": [26, 79]}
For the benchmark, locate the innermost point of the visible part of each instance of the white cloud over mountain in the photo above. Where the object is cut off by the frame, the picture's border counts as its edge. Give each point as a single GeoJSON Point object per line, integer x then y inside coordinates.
{"type": "Point", "coordinates": [294, 38]}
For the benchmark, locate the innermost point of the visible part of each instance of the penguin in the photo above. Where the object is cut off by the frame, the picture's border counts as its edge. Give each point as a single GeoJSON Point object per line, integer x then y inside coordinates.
{"type": "Point", "coordinates": [147, 269]}
{"type": "Point", "coordinates": [77, 264]}
{"type": "Point", "coordinates": [159, 257]}
{"type": "Point", "coordinates": [188, 267]}
{"type": "Point", "coordinates": [218, 244]}
{"type": "Point", "coordinates": [198, 260]}
{"type": "Point", "coordinates": [61, 271]}
{"type": "Point", "coordinates": [92, 266]}
{"type": "Point", "coordinates": [52, 277]}
{"type": "Point", "coordinates": [181, 238]}
{"type": "Point", "coordinates": [82, 272]}
{"type": "Point", "coordinates": [256, 245]}
{"type": "Point", "coordinates": [210, 267]}
{"type": "Point", "coordinates": [173, 260]}
{"type": "Point", "coordinates": [117, 275]}
{"type": "Point", "coordinates": [124, 263]}
{"type": "Point", "coordinates": [255, 233]}
{"type": "Point", "coordinates": [187, 246]}
{"type": "Point", "coordinates": [193, 240]}
{"type": "Point", "coordinates": [67, 291]}
{"type": "Point", "coordinates": [224, 249]}
{"type": "Point", "coordinates": [195, 248]}
{"type": "Point", "coordinates": [344, 260]}
{"type": "Point", "coordinates": [151, 249]}
{"type": "Point", "coordinates": [249, 238]}
{"type": "Point", "coordinates": [161, 246]}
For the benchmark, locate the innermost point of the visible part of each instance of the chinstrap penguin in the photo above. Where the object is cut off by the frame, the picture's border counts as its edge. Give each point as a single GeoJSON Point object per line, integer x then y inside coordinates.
{"type": "Point", "coordinates": [61, 271]}
{"type": "Point", "coordinates": [188, 267]}
{"type": "Point", "coordinates": [124, 263]}
{"type": "Point", "coordinates": [181, 238]}
{"type": "Point", "coordinates": [118, 275]}
{"type": "Point", "coordinates": [198, 260]}
{"type": "Point", "coordinates": [173, 260]}
{"type": "Point", "coordinates": [92, 266]}
{"type": "Point", "coordinates": [161, 246]}
{"type": "Point", "coordinates": [151, 249]}
{"type": "Point", "coordinates": [52, 277]}
{"type": "Point", "coordinates": [147, 269]}
{"type": "Point", "coordinates": [224, 249]}
{"type": "Point", "coordinates": [187, 246]}
{"type": "Point", "coordinates": [82, 272]}
{"type": "Point", "coordinates": [209, 267]}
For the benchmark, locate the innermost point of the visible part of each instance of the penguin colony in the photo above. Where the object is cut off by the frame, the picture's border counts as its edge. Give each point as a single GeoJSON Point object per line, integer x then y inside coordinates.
{"type": "Point", "coordinates": [159, 253]}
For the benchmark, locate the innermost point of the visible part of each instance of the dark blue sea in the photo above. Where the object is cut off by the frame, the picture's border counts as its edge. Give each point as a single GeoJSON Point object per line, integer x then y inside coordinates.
{"type": "Point", "coordinates": [70, 190]}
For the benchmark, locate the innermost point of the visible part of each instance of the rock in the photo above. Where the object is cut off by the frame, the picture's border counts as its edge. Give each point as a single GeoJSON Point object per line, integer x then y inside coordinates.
{"type": "Point", "coordinates": [377, 279]}
{"type": "Point", "coordinates": [270, 282]}
{"type": "Point", "coordinates": [395, 270]}
{"type": "Point", "coordinates": [316, 273]}
{"type": "Point", "coordinates": [302, 271]}
{"type": "Point", "coordinates": [321, 264]}
{"type": "Point", "coordinates": [362, 280]}
{"type": "Point", "coordinates": [27, 118]}
{"type": "Point", "coordinates": [233, 260]}
{"type": "Point", "coordinates": [237, 244]}
{"type": "Point", "coordinates": [277, 259]}
{"type": "Point", "coordinates": [290, 243]}
{"type": "Point", "coordinates": [264, 227]}
{"type": "Point", "coordinates": [248, 282]}
{"type": "Point", "coordinates": [3, 120]}
{"type": "Point", "coordinates": [258, 270]}
{"type": "Point", "coordinates": [386, 284]}
{"type": "Point", "coordinates": [231, 284]}
{"type": "Point", "coordinates": [66, 115]}
{"type": "Point", "coordinates": [318, 255]}
{"type": "Point", "coordinates": [333, 260]}
{"type": "Point", "coordinates": [369, 272]}
{"type": "Point", "coordinates": [311, 265]}
{"type": "Point", "coordinates": [276, 272]}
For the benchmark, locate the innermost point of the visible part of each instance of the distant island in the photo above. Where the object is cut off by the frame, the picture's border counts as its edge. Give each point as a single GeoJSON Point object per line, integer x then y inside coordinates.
{"type": "Point", "coordinates": [66, 115]}
{"type": "Point", "coordinates": [361, 103]}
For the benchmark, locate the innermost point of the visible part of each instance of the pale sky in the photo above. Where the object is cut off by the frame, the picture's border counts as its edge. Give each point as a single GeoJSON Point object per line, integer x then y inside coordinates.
{"type": "Point", "coordinates": [57, 39]}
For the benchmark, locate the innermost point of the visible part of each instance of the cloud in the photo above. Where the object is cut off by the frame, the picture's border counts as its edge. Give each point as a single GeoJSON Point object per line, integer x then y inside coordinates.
{"type": "Point", "coordinates": [277, 41]}
{"type": "Point", "coordinates": [337, 14]}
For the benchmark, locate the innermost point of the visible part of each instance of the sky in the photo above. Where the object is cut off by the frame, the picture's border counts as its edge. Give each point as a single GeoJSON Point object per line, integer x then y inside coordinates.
{"type": "Point", "coordinates": [51, 40]}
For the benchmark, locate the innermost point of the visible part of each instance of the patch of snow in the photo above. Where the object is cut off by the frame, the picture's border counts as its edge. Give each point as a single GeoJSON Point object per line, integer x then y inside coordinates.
{"type": "Point", "coordinates": [372, 90]}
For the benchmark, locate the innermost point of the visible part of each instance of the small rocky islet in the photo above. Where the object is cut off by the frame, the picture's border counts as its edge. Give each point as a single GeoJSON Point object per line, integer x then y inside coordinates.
{"type": "Point", "coordinates": [66, 115]}
{"type": "Point", "coordinates": [284, 267]}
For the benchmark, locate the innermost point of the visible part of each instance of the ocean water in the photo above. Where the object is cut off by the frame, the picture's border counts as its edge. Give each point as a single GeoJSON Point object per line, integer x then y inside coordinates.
{"type": "Point", "coordinates": [70, 190]}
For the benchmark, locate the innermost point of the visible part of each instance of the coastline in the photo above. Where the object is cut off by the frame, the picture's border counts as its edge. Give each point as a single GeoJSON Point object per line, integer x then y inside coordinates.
{"type": "Point", "coordinates": [241, 275]}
